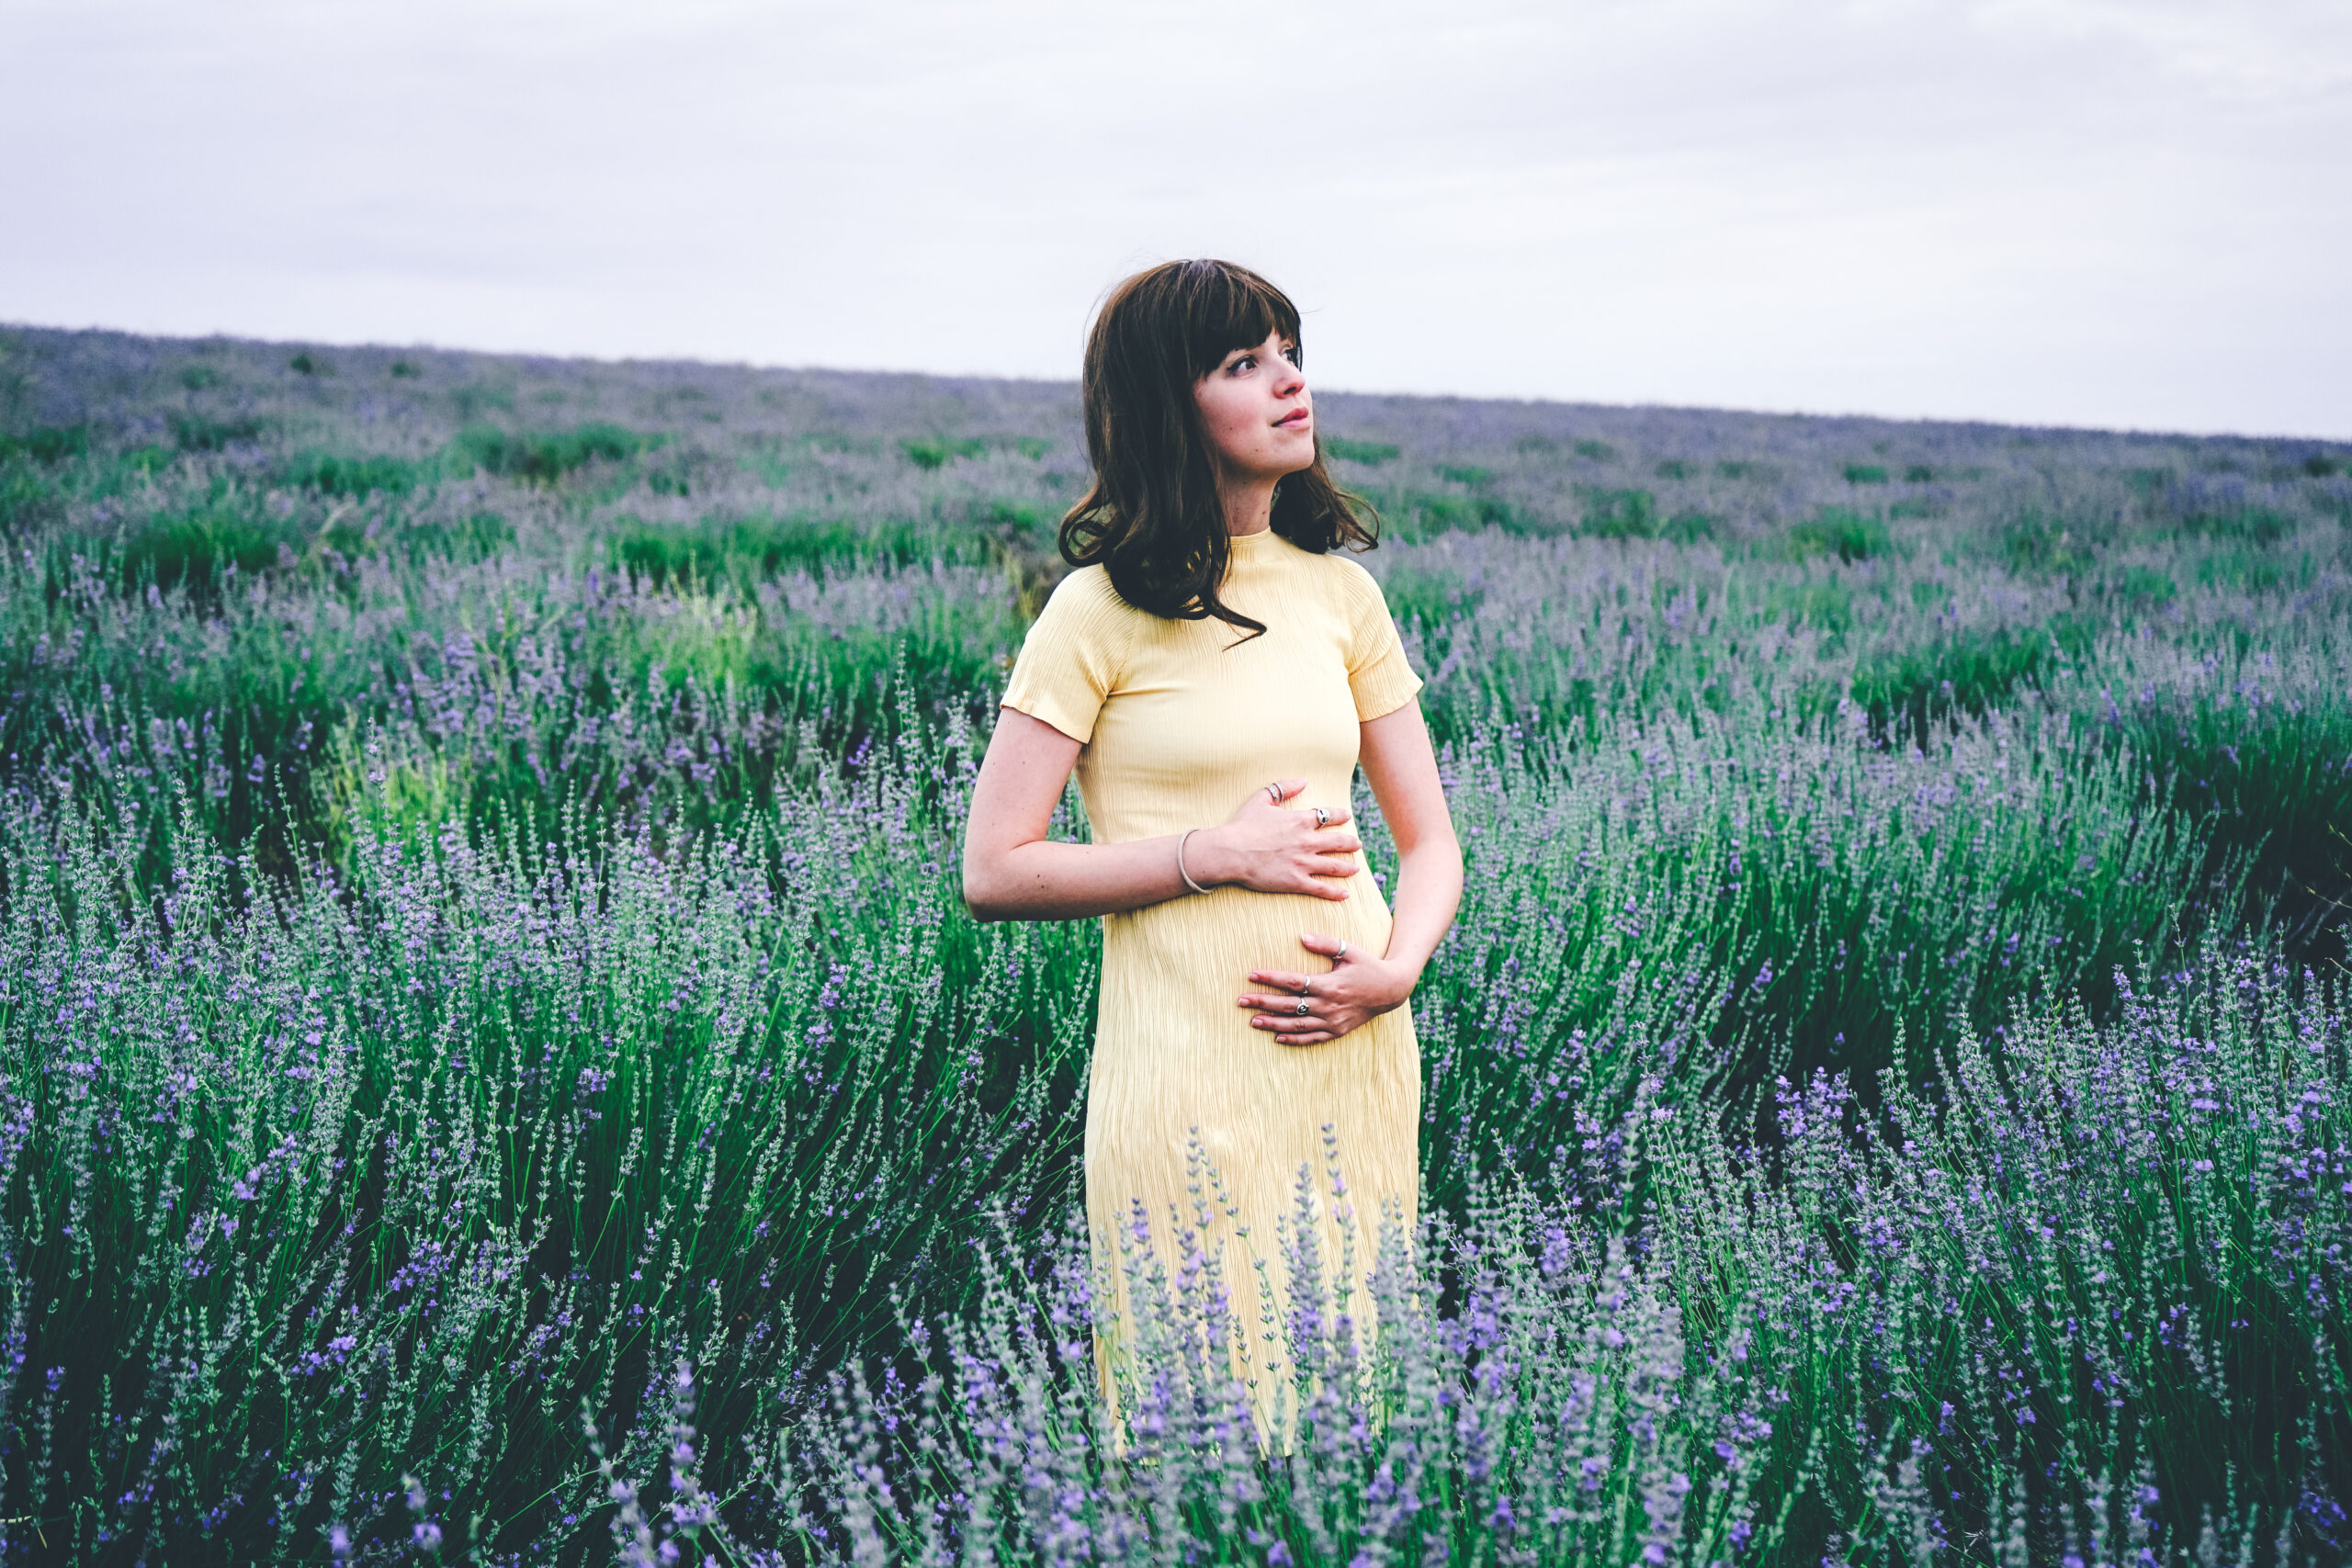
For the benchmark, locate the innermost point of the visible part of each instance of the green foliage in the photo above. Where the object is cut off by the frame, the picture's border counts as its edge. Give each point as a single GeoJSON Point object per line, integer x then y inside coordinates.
{"type": "Point", "coordinates": [1431, 601]}
{"type": "Point", "coordinates": [1823, 605]}
{"type": "Point", "coordinates": [931, 453]}
{"type": "Point", "coordinates": [2257, 526]}
{"type": "Point", "coordinates": [2144, 587]}
{"type": "Point", "coordinates": [2253, 569]}
{"type": "Point", "coordinates": [191, 550]}
{"type": "Point", "coordinates": [2032, 542]}
{"type": "Point", "coordinates": [195, 434]}
{"type": "Point", "coordinates": [937, 451]}
{"type": "Point", "coordinates": [473, 399]}
{"type": "Point", "coordinates": [544, 458]}
{"type": "Point", "coordinates": [1465, 474]}
{"type": "Point", "coordinates": [1742, 469]}
{"type": "Point", "coordinates": [303, 364]}
{"type": "Point", "coordinates": [1676, 469]}
{"type": "Point", "coordinates": [1365, 452]}
{"type": "Point", "coordinates": [1913, 692]}
{"type": "Point", "coordinates": [345, 474]}
{"type": "Point", "coordinates": [47, 444]}
{"type": "Point", "coordinates": [195, 377]}
{"type": "Point", "coordinates": [1598, 451]}
{"type": "Point", "coordinates": [403, 370]}
{"type": "Point", "coordinates": [1618, 515]}
{"type": "Point", "coordinates": [473, 537]}
{"type": "Point", "coordinates": [1419, 514]}
{"type": "Point", "coordinates": [1865, 473]}
{"type": "Point", "coordinates": [1918, 474]}
{"type": "Point", "coordinates": [1842, 532]}
{"type": "Point", "coordinates": [762, 547]}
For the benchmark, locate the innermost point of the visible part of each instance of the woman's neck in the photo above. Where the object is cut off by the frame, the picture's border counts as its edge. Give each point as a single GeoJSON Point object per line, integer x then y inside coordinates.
{"type": "Point", "coordinates": [1249, 505]}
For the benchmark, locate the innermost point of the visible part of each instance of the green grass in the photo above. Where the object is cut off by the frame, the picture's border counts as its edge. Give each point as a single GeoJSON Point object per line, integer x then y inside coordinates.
{"type": "Point", "coordinates": [1842, 532]}
{"type": "Point", "coordinates": [1366, 452]}
{"type": "Point", "coordinates": [46, 444]}
{"type": "Point", "coordinates": [1420, 514]}
{"type": "Point", "coordinates": [1620, 514]}
{"type": "Point", "coordinates": [191, 551]}
{"type": "Point", "coordinates": [193, 433]}
{"type": "Point", "coordinates": [938, 451]}
{"type": "Point", "coordinates": [1915, 694]}
{"type": "Point", "coordinates": [2257, 526]}
{"type": "Point", "coordinates": [341, 474]}
{"type": "Point", "coordinates": [546, 457]}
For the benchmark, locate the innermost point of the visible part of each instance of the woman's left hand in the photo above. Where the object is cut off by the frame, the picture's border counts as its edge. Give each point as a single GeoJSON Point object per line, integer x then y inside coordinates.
{"type": "Point", "coordinates": [1358, 987]}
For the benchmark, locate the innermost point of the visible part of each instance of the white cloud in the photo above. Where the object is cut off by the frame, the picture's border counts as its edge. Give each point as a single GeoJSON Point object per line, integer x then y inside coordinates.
{"type": "Point", "coordinates": [2060, 210]}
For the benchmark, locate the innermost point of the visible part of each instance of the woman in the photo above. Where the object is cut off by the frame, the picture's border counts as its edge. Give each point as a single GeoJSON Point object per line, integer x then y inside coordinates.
{"type": "Point", "coordinates": [1215, 674]}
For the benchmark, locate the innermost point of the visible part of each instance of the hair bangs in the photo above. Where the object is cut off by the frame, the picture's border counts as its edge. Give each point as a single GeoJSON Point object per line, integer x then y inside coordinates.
{"type": "Point", "coordinates": [1231, 307]}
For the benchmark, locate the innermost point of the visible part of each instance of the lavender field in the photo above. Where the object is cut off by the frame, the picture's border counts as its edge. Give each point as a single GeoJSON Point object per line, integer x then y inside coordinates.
{"type": "Point", "coordinates": [493, 1067]}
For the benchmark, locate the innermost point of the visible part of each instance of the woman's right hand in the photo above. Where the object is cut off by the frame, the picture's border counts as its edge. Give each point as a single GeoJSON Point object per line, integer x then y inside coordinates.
{"type": "Point", "coordinates": [1271, 848]}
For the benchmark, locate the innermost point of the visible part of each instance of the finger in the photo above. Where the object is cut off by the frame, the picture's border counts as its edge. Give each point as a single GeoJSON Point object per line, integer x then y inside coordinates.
{"type": "Point", "coordinates": [1290, 786]}
{"type": "Point", "coordinates": [1334, 842]}
{"type": "Point", "coordinates": [1298, 1031]}
{"type": "Point", "coordinates": [1330, 947]}
{"type": "Point", "coordinates": [1334, 815]}
{"type": "Point", "coordinates": [1281, 980]}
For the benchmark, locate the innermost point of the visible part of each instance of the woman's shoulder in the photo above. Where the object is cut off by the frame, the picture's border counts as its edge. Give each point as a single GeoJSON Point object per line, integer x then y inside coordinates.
{"type": "Point", "coordinates": [1087, 590]}
{"type": "Point", "coordinates": [1344, 577]}
{"type": "Point", "coordinates": [1085, 605]}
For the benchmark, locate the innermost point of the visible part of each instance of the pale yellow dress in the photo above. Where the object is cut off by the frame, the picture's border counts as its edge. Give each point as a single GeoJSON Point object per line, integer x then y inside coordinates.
{"type": "Point", "coordinates": [1179, 723]}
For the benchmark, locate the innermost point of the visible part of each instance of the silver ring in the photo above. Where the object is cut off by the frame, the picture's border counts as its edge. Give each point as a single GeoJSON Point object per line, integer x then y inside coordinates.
{"type": "Point", "coordinates": [1307, 986]}
{"type": "Point", "coordinates": [1303, 1008]}
{"type": "Point", "coordinates": [1322, 817]}
{"type": "Point", "coordinates": [1344, 950]}
{"type": "Point", "coordinates": [1274, 793]}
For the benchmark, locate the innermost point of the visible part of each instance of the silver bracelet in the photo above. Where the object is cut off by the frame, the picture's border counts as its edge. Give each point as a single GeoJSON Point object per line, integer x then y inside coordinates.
{"type": "Point", "coordinates": [1180, 862]}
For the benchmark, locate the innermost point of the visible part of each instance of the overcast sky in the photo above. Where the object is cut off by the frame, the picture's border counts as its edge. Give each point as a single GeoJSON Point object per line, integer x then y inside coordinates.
{"type": "Point", "coordinates": [2061, 211]}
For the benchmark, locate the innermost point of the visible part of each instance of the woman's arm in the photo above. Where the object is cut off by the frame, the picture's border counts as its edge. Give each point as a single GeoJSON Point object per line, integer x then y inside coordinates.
{"type": "Point", "coordinates": [1401, 767]}
{"type": "Point", "coordinates": [1013, 872]}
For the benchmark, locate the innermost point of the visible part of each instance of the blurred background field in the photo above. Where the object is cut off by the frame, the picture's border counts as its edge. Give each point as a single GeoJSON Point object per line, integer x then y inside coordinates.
{"type": "Point", "coordinates": [479, 930]}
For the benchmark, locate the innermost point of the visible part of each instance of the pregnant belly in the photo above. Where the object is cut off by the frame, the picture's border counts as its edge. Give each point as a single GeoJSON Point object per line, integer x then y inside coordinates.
{"type": "Point", "coordinates": [1196, 952]}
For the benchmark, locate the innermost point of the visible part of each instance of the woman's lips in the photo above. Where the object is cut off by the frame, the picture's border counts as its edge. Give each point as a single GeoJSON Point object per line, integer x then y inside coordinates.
{"type": "Point", "coordinates": [1296, 416]}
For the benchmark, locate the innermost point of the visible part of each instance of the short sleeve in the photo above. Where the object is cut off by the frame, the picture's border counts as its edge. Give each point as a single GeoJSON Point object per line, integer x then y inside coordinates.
{"type": "Point", "coordinates": [1071, 659]}
{"type": "Point", "coordinates": [1377, 672]}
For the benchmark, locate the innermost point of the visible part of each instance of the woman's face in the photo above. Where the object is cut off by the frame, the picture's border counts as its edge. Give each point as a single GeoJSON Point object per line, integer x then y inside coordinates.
{"type": "Point", "coordinates": [1261, 421]}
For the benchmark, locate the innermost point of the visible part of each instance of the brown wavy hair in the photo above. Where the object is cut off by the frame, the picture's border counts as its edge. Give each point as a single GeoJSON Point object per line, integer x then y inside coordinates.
{"type": "Point", "coordinates": [1153, 518]}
